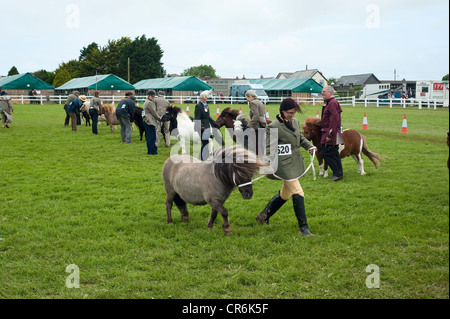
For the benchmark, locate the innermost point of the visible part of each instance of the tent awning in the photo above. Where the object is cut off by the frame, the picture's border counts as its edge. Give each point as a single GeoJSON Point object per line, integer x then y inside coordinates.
{"type": "Point", "coordinates": [97, 82]}
{"type": "Point", "coordinates": [294, 85]}
{"type": "Point", "coordinates": [24, 81]}
{"type": "Point", "coordinates": [187, 83]}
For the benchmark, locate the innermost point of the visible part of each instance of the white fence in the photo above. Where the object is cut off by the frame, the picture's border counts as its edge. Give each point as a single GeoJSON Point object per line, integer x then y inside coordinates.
{"type": "Point", "coordinates": [349, 101]}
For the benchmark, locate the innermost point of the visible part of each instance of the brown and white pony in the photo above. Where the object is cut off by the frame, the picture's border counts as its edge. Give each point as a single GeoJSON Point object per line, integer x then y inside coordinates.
{"type": "Point", "coordinates": [354, 145]}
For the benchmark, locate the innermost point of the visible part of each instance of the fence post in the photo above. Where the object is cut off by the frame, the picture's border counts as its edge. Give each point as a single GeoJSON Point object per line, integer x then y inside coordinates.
{"type": "Point", "coordinates": [435, 104]}
{"type": "Point", "coordinates": [365, 102]}
{"type": "Point", "coordinates": [42, 101]}
{"type": "Point", "coordinates": [378, 102]}
{"type": "Point", "coordinates": [353, 101]}
{"type": "Point", "coordinates": [390, 103]}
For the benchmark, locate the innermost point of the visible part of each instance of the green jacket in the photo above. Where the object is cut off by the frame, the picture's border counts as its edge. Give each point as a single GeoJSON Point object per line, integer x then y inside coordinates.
{"type": "Point", "coordinates": [284, 153]}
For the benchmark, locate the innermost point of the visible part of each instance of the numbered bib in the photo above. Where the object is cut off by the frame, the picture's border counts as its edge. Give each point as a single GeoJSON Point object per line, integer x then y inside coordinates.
{"type": "Point", "coordinates": [285, 149]}
{"type": "Point", "coordinates": [143, 113]}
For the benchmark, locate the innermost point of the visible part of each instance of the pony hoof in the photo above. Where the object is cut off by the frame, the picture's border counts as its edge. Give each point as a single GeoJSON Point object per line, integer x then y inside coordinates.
{"type": "Point", "coordinates": [169, 221]}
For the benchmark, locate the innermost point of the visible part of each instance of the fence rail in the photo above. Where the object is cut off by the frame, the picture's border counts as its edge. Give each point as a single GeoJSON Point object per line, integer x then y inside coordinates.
{"type": "Point", "coordinates": [348, 101]}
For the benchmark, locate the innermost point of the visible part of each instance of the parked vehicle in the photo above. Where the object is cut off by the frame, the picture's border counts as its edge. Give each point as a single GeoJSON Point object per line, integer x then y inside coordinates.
{"type": "Point", "coordinates": [238, 90]}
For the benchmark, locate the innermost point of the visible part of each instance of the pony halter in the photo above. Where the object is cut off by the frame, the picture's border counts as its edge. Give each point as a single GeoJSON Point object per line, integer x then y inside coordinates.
{"type": "Point", "coordinates": [246, 184]}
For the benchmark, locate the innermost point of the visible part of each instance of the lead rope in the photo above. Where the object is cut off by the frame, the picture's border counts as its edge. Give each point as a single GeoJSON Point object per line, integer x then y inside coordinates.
{"type": "Point", "coordinates": [313, 156]}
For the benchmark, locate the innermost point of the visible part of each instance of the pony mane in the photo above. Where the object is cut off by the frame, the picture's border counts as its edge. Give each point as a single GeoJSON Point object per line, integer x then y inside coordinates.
{"type": "Point", "coordinates": [244, 120]}
{"type": "Point", "coordinates": [312, 120]}
{"type": "Point", "coordinates": [234, 165]}
{"type": "Point", "coordinates": [173, 109]}
{"type": "Point", "coordinates": [233, 113]}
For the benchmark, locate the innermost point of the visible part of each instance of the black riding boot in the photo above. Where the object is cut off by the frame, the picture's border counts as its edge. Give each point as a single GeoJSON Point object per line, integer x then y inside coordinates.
{"type": "Point", "coordinates": [299, 208]}
{"type": "Point", "coordinates": [271, 208]}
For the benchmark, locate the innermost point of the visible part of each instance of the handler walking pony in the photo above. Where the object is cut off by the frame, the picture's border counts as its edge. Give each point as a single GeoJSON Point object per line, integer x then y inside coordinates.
{"type": "Point", "coordinates": [354, 145]}
{"type": "Point", "coordinates": [189, 180]}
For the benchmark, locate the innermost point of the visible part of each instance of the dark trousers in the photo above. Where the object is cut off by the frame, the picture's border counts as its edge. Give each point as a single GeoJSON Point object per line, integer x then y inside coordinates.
{"type": "Point", "coordinates": [204, 153]}
{"type": "Point", "coordinates": [94, 116]}
{"type": "Point", "coordinates": [330, 154]}
{"type": "Point", "coordinates": [73, 118]}
{"type": "Point", "coordinates": [150, 131]}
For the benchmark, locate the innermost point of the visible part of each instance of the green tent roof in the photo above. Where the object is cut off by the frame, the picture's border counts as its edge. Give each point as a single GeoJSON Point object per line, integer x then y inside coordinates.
{"type": "Point", "coordinates": [99, 82]}
{"type": "Point", "coordinates": [294, 85]}
{"type": "Point", "coordinates": [24, 81]}
{"type": "Point", "coordinates": [184, 83]}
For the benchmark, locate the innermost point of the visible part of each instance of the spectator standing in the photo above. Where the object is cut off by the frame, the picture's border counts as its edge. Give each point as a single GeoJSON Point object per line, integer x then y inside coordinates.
{"type": "Point", "coordinates": [203, 122]}
{"type": "Point", "coordinates": [331, 133]}
{"type": "Point", "coordinates": [125, 116]}
{"type": "Point", "coordinates": [94, 111]}
{"type": "Point", "coordinates": [151, 119]}
{"type": "Point", "coordinates": [161, 108]}
{"type": "Point", "coordinates": [6, 109]}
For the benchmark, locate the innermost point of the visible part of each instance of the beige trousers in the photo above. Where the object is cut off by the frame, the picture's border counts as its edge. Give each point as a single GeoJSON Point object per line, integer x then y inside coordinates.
{"type": "Point", "coordinates": [290, 188]}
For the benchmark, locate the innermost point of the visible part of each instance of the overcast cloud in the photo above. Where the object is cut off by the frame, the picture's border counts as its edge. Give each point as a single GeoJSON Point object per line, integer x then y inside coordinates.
{"type": "Point", "coordinates": [240, 37]}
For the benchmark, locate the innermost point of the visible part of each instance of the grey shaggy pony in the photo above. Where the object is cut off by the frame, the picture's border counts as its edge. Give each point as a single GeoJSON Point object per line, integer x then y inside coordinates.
{"type": "Point", "coordinates": [189, 180]}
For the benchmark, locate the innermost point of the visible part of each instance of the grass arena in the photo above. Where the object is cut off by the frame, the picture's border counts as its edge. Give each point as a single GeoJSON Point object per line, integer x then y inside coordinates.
{"type": "Point", "coordinates": [74, 198]}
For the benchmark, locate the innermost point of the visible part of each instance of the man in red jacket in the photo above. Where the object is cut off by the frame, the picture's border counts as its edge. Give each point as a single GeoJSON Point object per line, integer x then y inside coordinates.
{"type": "Point", "coordinates": [331, 132]}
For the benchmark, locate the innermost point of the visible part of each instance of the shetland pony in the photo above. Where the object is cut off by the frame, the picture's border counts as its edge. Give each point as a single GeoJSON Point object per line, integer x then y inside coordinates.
{"type": "Point", "coordinates": [354, 145]}
{"type": "Point", "coordinates": [189, 180]}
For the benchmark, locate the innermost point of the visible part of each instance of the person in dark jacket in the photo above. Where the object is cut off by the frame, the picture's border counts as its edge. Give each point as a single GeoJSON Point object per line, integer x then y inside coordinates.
{"type": "Point", "coordinates": [203, 123]}
{"type": "Point", "coordinates": [74, 108]}
{"type": "Point", "coordinates": [288, 165]}
{"type": "Point", "coordinates": [94, 110]}
{"type": "Point", "coordinates": [125, 116]}
{"type": "Point", "coordinates": [331, 133]}
{"type": "Point", "coordinates": [70, 98]}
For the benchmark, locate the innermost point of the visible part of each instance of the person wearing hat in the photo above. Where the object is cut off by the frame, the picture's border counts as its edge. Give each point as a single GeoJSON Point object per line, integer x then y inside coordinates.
{"type": "Point", "coordinates": [151, 119]}
{"type": "Point", "coordinates": [125, 115]}
{"type": "Point", "coordinates": [74, 108]}
{"type": "Point", "coordinates": [161, 108]}
{"type": "Point", "coordinates": [287, 163]}
{"type": "Point", "coordinates": [6, 108]}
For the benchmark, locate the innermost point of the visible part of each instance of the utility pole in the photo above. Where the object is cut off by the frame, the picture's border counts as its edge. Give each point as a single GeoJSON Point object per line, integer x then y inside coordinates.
{"type": "Point", "coordinates": [128, 70]}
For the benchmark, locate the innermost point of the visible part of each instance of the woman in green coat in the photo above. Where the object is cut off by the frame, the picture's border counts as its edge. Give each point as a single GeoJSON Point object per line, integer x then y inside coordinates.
{"type": "Point", "coordinates": [290, 165]}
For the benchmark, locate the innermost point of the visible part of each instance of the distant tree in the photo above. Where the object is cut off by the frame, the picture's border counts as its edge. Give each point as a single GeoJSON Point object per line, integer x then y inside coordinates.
{"type": "Point", "coordinates": [84, 53]}
{"type": "Point", "coordinates": [445, 78]}
{"type": "Point", "coordinates": [332, 81]}
{"type": "Point", "coordinates": [46, 76]}
{"type": "Point", "coordinates": [61, 77]}
{"type": "Point", "coordinates": [145, 60]}
{"type": "Point", "coordinates": [200, 71]}
{"type": "Point", "coordinates": [13, 71]}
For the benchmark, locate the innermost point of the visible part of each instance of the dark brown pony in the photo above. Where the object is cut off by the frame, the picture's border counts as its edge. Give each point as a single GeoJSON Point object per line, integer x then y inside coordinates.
{"type": "Point", "coordinates": [354, 145]}
{"type": "Point", "coordinates": [227, 118]}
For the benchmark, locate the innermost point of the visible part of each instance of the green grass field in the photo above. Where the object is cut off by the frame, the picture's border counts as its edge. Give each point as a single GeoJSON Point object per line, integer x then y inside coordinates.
{"type": "Point", "coordinates": [76, 198]}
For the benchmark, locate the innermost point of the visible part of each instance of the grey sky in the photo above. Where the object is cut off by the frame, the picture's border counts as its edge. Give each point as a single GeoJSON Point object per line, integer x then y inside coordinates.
{"type": "Point", "coordinates": [240, 37]}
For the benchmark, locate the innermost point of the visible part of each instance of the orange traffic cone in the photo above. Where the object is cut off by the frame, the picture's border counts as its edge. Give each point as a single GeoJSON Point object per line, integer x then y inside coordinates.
{"type": "Point", "coordinates": [240, 110]}
{"type": "Point", "coordinates": [187, 109]}
{"type": "Point", "coordinates": [218, 111]}
{"type": "Point", "coordinates": [405, 126]}
{"type": "Point", "coordinates": [365, 123]}
{"type": "Point", "coordinates": [318, 116]}
{"type": "Point", "coordinates": [267, 115]}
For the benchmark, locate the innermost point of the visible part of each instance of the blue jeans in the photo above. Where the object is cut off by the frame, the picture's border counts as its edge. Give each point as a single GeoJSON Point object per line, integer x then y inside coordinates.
{"type": "Point", "coordinates": [150, 131]}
